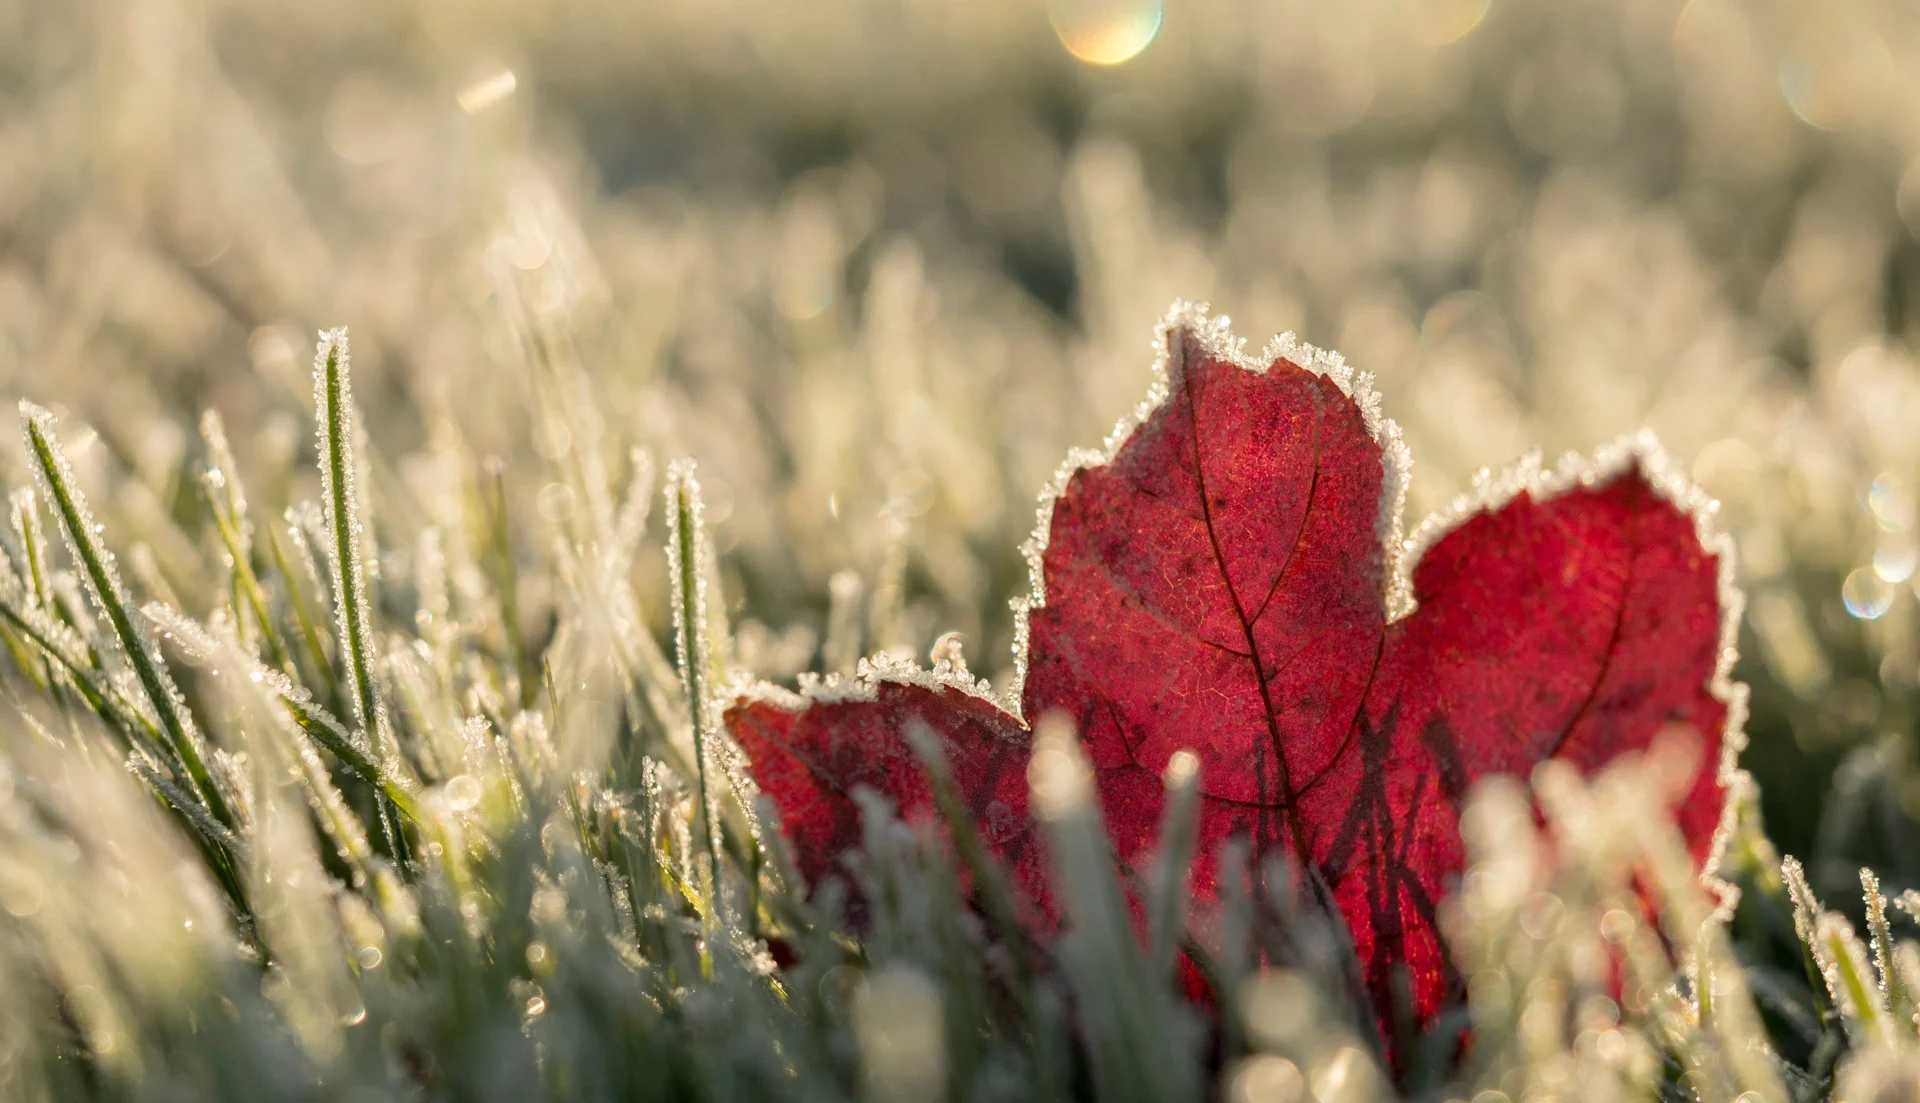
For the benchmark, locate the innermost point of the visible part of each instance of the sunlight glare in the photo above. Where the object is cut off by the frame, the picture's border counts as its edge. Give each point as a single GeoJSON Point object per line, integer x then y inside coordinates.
{"type": "Point", "coordinates": [1106, 32]}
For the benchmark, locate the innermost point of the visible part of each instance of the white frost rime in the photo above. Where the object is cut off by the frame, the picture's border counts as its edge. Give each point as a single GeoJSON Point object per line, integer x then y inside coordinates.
{"type": "Point", "coordinates": [353, 613]}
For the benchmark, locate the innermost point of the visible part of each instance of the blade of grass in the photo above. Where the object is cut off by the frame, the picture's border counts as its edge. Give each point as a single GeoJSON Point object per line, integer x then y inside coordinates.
{"type": "Point", "coordinates": [55, 642]}
{"type": "Point", "coordinates": [1178, 824]}
{"type": "Point", "coordinates": [109, 596]}
{"type": "Point", "coordinates": [989, 882]}
{"type": "Point", "coordinates": [689, 626]}
{"type": "Point", "coordinates": [227, 503]}
{"type": "Point", "coordinates": [1899, 1000]}
{"type": "Point", "coordinates": [353, 614]}
{"type": "Point", "coordinates": [38, 670]}
{"type": "Point", "coordinates": [509, 583]}
{"type": "Point", "coordinates": [138, 734]}
{"type": "Point", "coordinates": [318, 724]}
{"type": "Point", "coordinates": [33, 546]}
{"type": "Point", "coordinates": [245, 581]}
{"type": "Point", "coordinates": [1806, 912]}
{"type": "Point", "coordinates": [1844, 961]}
{"type": "Point", "coordinates": [1136, 1033]}
{"type": "Point", "coordinates": [304, 616]}
{"type": "Point", "coordinates": [353, 611]}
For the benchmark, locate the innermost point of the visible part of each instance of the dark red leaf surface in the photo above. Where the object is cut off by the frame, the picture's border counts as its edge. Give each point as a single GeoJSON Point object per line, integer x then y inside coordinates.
{"type": "Point", "coordinates": [1231, 581]}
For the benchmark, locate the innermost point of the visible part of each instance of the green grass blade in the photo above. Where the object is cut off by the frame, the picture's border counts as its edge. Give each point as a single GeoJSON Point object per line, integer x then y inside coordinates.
{"type": "Point", "coordinates": [509, 582]}
{"type": "Point", "coordinates": [353, 614]}
{"type": "Point", "coordinates": [1899, 1000]}
{"type": "Point", "coordinates": [988, 878]}
{"type": "Point", "coordinates": [33, 546]}
{"type": "Point", "coordinates": [318, 724]}
{"type": "Point", "coordinates": [305, 618]}
{"type": "Point", "coordinates": [246, 582]}
{"type": "Point", "coordinates": [1844, 962]}
{"type": "Point", "coordinates": [227, 504]}
{"type": "Point", "coordinates": [110, 597]}
{"type": "Point", "coordinates": [689, 588]}
{"type": "Point", "coordinates": [1178, 824]}
{"type": "Point", "coordinates": [353, 611]}
{"type": "Point", "coordinates": [55, 641]}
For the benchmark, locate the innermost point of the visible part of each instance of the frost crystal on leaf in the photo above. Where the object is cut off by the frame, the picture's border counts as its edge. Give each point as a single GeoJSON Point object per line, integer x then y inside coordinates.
{"type": "Point", "coordinates": [1227, 578]}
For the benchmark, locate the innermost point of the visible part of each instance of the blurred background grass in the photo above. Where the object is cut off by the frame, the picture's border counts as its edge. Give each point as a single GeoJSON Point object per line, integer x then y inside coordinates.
{"type": "Point", "coordinates": [878, 263]}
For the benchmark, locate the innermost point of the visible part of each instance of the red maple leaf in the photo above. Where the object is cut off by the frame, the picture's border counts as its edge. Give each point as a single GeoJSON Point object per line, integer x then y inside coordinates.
{"type": "Point", "coordinates": [1230, 578]}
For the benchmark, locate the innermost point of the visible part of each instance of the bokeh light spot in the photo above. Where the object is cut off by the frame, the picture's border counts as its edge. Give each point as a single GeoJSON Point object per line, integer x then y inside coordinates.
{"type": "Point", "coordinates": [1106, 32]}
{"type": "Point", "coordinates": [1896, 563]}
{"type": "Point", "coordinates": [487, 91]}
{"type": "Point", "coordinates": [1889, 502]}
{"type": "Point", "coordinates": [463, 793]}
{"type": "Point", "coordinates": [1867, 595]}
{"type": "Point", "coordinates": [1448, 21]}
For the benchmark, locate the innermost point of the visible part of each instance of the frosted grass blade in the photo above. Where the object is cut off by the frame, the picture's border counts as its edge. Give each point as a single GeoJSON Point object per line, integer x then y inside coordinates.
{"type": "Point", "coordinates": [689, 588]}
{"type": "Point", "coordinates": [227, 503]}
{"type": "Point", "coordinates": [353, 615]}
{"type": "Point", "coordinates": [109, 596]}
{"type": "Point", "coordinates": [314, 720]}
{"type": "Point", "coordinates": [304, 615]}
{"type": "Point", "coordinates": [353, 611]}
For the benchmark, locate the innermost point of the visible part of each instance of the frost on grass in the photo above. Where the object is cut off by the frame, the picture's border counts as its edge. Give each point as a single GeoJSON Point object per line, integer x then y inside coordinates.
{"type": "Point", "coordinates": [687, 581]}
{"type": "Point", "coordinates": [32, 538]}
{"type": "Point", "coordinates": [590, 908]}
{"type": "Point", "coordinates": [223, 473]}
{"type": "Point", "coordinates": [346, 541]}
{"type": "Point", "coordinates": [109, 595]}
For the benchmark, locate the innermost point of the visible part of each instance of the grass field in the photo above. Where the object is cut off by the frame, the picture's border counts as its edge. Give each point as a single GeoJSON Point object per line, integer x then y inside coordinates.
{"type": "Point", "coordinates": [358, 736]}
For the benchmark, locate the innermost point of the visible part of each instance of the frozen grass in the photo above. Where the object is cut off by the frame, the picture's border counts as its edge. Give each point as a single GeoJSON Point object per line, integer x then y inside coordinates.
{"type": "Point", "coordinates": [735, 232]}
{"type": "Point", "coordinates": [531, 867]}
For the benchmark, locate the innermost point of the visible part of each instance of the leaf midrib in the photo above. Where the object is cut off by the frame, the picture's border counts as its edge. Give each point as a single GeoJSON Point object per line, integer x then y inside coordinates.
{"type": "Point", "coordinates": [1289, 806]}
